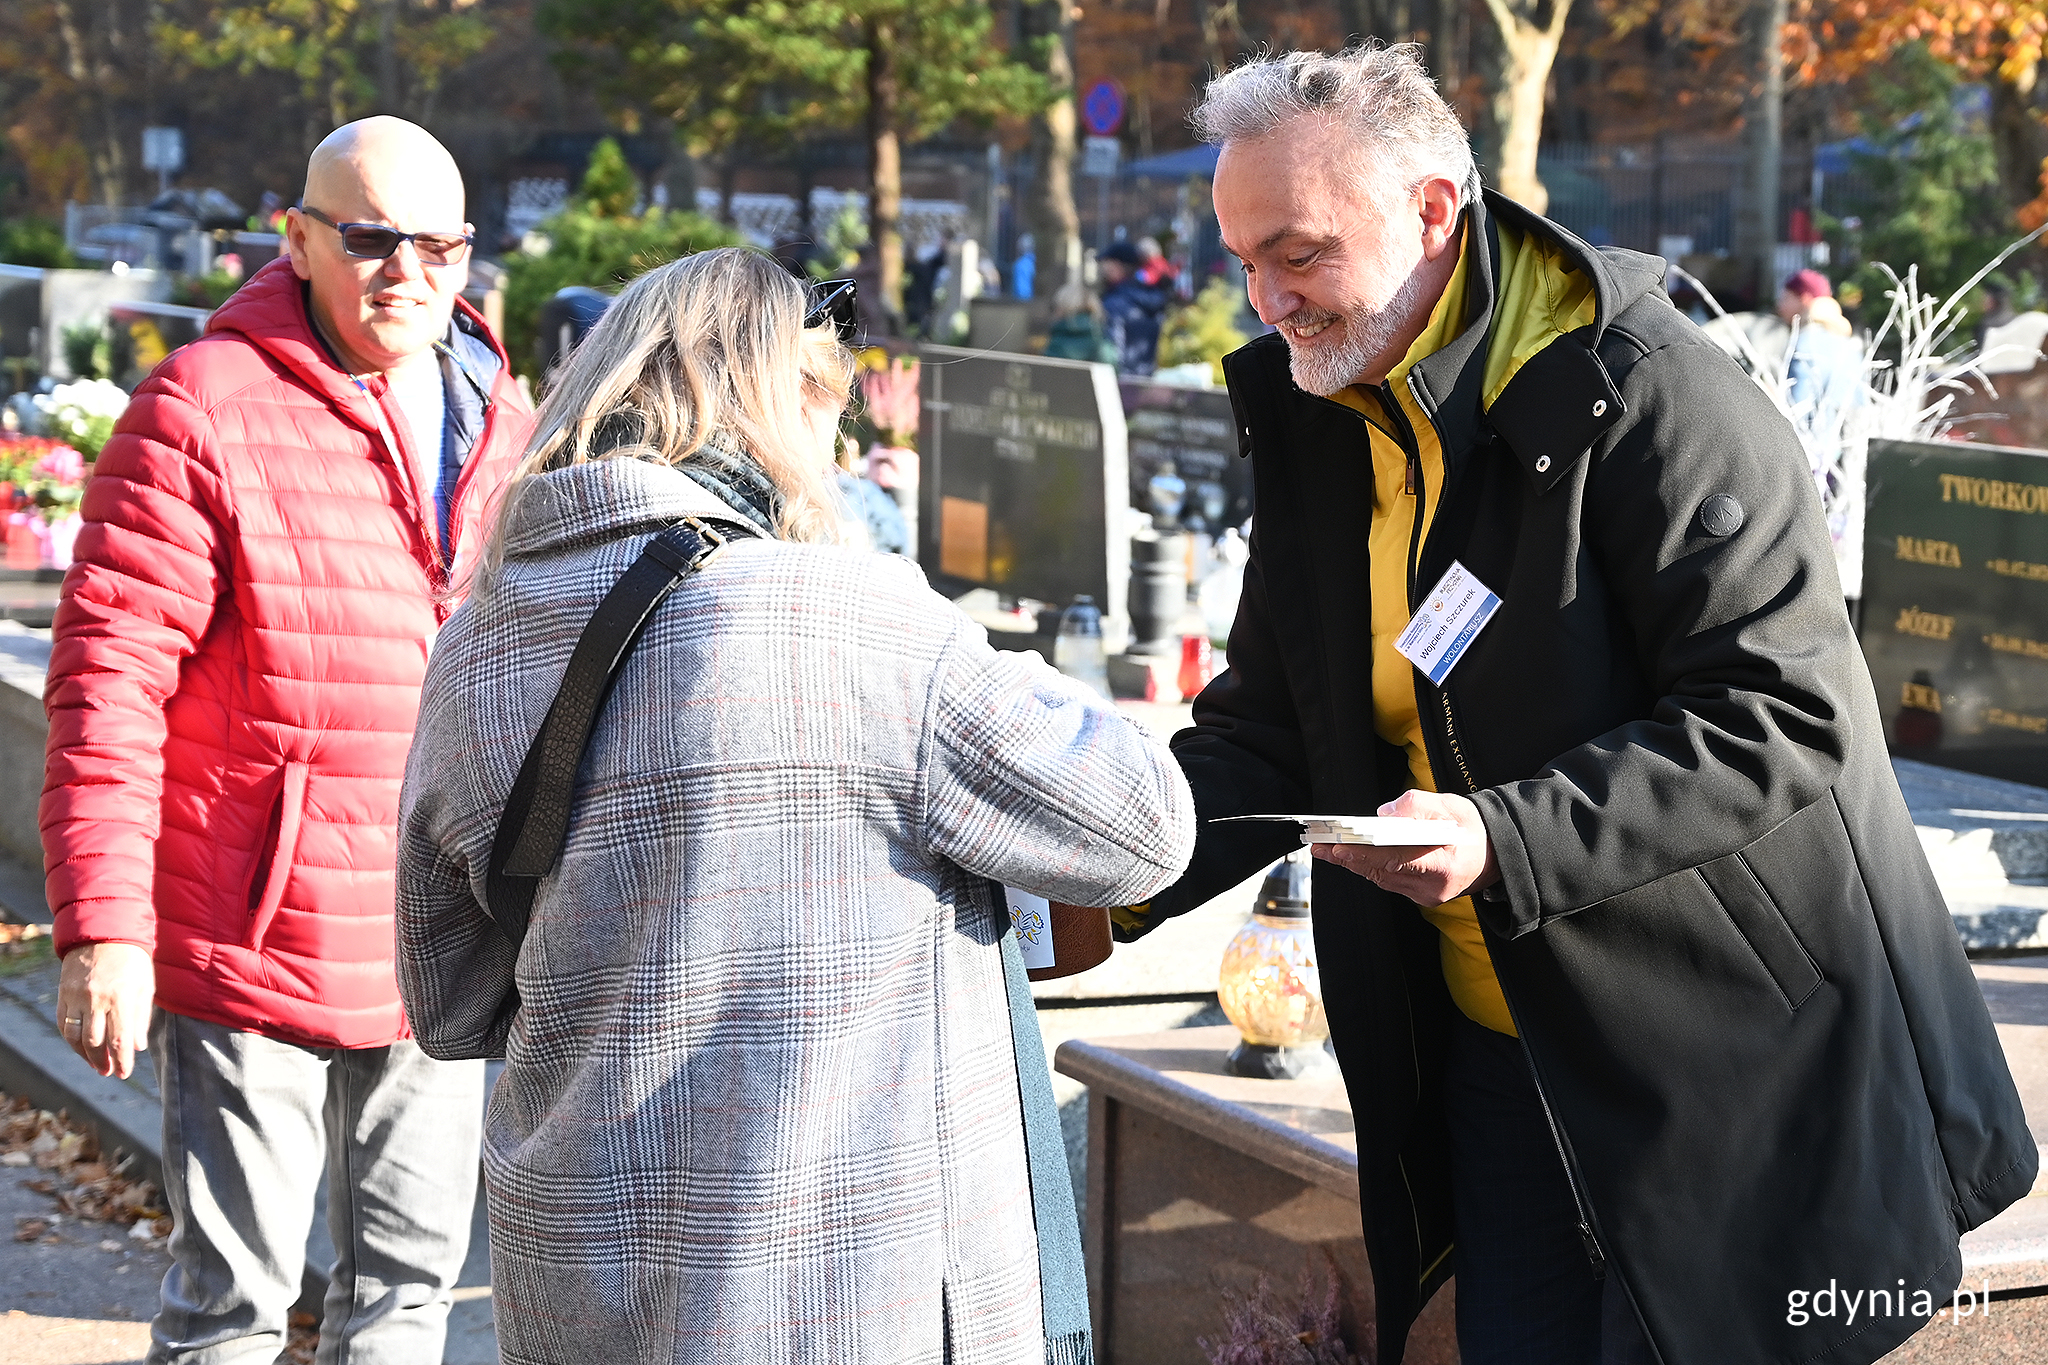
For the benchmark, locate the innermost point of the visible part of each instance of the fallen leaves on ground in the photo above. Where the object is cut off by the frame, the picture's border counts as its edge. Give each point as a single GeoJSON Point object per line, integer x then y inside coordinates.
{"type": "Point", "coordinates": [85, 1185]}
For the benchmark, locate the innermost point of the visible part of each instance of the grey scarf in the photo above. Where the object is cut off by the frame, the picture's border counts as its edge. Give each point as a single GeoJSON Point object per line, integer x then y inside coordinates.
{"type": "Point", "coordinates": [721, 466]}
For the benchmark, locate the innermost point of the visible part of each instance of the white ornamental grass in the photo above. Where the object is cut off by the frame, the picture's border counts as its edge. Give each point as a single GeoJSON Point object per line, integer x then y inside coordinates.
{"type": "Point", "coordinates": [1906, 398]}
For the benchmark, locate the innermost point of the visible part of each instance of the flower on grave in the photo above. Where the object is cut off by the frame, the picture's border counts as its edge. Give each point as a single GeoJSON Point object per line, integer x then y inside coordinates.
{"type": "Point", "coordinates": [93, 397]}
{"type": "Point", "coordinates": [61, 463]}
{"type": "Point", "coordinates": [41, 475]}
{"type": "Point", "coordinates": [889, 395]}
{"type": "Point", "coordinates": [83, 413]}
{"type": "Point", "coordinates": [32, 459]}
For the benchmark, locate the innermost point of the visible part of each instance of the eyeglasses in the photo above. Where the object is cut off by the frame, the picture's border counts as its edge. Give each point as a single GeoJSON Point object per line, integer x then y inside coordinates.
{"type": "Point", "coordinates": [833, 302]}
{"type": "Point", "coordinates": [376, 242]}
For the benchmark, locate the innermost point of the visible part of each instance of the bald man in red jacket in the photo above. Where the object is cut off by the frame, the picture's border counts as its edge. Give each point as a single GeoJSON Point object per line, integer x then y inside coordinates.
{"type": "Point", "coordinates": [271, 538]}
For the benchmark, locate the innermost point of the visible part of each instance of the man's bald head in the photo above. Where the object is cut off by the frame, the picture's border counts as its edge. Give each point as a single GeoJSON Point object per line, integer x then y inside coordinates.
{"type": "Point", "coordinates": [379, 314]}
{"type": "Point", "coordinates": [384, 153]}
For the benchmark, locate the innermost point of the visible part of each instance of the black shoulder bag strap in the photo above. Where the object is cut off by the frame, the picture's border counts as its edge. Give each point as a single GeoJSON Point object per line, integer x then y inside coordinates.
{"type": "Point", "coordinates": [535, 824]}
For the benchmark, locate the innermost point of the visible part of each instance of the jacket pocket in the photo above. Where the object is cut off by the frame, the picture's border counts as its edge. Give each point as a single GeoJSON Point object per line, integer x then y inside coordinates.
{"type": "Point", "coordinates": [1757, 918]}
{"type": "Point", "coordinates": [281, 844]}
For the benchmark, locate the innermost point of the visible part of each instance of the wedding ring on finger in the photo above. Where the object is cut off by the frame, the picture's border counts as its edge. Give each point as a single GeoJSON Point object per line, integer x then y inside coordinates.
{"type": "Point", "coordinates": [74, 1026]}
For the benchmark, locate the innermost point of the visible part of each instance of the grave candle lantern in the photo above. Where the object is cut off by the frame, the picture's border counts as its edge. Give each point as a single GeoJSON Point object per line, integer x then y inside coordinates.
{"type": "Point", "coordinates": [1269, 986]}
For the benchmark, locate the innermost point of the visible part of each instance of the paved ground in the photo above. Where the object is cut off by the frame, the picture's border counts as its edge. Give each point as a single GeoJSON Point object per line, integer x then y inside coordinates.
{"type": "Point", "coordinates": [2013, 1332]}
{"type": "Point", "coordinates": [72, 1292]}
{"type": "Point", "coordinates": [80, 1294]}
{"type": "Point", "coordinates": [77, 1292]}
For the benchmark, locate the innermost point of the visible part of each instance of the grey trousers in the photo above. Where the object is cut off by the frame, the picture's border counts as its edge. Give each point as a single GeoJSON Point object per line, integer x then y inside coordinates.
{"type": "Point", "coordinates": [249, 1123]}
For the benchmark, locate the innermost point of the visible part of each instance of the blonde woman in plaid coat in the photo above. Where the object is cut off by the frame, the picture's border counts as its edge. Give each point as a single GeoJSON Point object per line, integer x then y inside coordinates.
{"type": "Point", "coordinates": [763, 1098]}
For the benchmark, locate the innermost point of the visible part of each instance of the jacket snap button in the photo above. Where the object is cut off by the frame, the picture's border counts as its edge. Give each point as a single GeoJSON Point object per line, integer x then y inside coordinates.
{"type": "Point", "coordinates": [1599, 407]}
{"type": "Point", "coordinates": [1542, 463]}
{"type": "Point", "coordinates": [1721, 515]}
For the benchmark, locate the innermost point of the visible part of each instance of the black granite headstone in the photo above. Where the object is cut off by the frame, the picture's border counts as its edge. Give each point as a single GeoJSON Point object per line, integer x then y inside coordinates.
{"type": "Point", "coordinates": [143, 333]}
{"type": "Point", "coordinates": [1179, 432]}
{"type": "Point", "coordinates": [1955, 604]}
{"type": "Point", "coordinates": [72, 298]}
{"type": "Point", "coordinates": [21, 310]}
{"type": "Point", "coordinates": [1023, 482]}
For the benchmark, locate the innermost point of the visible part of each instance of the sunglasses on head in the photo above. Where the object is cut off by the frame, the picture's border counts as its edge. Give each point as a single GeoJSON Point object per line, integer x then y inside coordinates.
{"type": "Point", "coordinates": [833, 302]}
{"type": "Point", "coordinates": [376, 242]}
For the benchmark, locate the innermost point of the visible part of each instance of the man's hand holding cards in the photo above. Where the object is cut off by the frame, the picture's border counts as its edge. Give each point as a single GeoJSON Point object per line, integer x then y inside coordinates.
{"type": "Point", "coordinates": [1459, 861]}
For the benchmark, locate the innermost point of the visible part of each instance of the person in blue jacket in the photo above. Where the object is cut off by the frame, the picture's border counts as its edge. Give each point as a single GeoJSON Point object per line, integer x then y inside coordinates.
{"type": "Point", "coordinates": [1132, 309]}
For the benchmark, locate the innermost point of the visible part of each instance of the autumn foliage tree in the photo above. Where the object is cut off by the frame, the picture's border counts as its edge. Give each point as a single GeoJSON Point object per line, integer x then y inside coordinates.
{"type": "Point", "coordinates": [68, 74]}
{"type": "Point", "coordinates": [349, 57]}
{"type": "Point", "coordinates": [1526, 35]}
{"type": "Point", "coordinates": [765, 71]}
{"type": "Point", "coordinates": [1999, 42]}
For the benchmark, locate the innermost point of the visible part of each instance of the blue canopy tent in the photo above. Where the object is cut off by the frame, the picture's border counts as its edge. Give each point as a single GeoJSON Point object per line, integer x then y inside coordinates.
{"type": "Point", "coordinates": [1838, 158]}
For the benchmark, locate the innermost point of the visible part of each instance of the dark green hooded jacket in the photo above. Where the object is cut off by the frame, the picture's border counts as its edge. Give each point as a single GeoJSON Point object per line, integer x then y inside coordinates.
{"type": "Point", "coordinates": [1746, 1005]}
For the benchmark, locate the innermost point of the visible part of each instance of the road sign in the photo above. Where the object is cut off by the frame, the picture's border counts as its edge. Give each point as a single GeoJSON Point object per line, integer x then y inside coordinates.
{"type": "Point", "coordinates": [1102, 109]}
{"type": "Point", "coordinates": [163, 149]}
{"type": "Point", "coordinates": [1099, 156]}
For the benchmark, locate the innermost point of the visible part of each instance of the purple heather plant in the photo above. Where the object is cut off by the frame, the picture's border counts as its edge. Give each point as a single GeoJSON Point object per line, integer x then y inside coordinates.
{"type": "Point", "coordinates": [1257, 1330]}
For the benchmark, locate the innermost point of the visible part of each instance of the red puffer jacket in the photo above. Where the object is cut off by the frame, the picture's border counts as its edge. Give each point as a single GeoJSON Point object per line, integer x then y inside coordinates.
{"type": "Point", "coordinates": [237, 667]}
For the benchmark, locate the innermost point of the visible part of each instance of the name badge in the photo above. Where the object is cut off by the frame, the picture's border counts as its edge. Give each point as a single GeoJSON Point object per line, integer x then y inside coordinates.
{"type": "Point", "coordinates": [1453, 613]}
{"type": "Point", "coordinates": [1031, 921]}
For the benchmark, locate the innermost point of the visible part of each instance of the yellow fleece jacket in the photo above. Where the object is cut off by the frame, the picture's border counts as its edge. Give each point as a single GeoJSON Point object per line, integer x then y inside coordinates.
{"type": "Point", "coordinates": [1539, 299]}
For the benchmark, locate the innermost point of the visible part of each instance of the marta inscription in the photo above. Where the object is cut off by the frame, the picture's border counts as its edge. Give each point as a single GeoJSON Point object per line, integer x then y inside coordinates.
{"type": "Point", "coordinates": [1920, 550]}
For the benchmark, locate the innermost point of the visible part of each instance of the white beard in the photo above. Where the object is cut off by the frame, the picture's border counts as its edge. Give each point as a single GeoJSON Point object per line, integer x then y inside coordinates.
{"type": "Point", "coordinates": [1324, 370]}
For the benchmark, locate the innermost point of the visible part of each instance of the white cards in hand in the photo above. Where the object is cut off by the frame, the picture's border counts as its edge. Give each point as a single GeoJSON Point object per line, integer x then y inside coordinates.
{"type": "Point", "coordinates": [1384, 831]}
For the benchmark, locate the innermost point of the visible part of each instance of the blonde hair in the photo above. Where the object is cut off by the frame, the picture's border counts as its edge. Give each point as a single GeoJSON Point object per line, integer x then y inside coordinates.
{"type": "Point", "coordinates": [1825, 313]}
{"type": "Point", "coordinates": [706, 352]}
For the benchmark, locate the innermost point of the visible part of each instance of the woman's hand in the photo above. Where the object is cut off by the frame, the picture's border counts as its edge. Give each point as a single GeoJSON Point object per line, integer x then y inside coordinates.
{"type": "Point", "coordinates": [1425, 875]}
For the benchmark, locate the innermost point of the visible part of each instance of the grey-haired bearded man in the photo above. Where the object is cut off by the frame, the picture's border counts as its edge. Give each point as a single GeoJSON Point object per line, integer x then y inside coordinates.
{"type": "Point", "coordinates": [1684, 1028]}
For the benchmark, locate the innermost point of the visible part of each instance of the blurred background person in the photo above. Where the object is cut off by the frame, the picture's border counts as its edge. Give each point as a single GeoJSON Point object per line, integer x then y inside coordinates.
{"type": "Point", "coordinates": [1078, 331]}
{"type": "Point", "coordinates": [1154, 269]}
{"type": "Point", "coordinates": [868, 505]}
{"type": "Point", "coordinates": [1823, 362]}
{"type": "Point", "coordinates": [1132, 309]}
{"type": "Point", "coordinates": [1024, 270]}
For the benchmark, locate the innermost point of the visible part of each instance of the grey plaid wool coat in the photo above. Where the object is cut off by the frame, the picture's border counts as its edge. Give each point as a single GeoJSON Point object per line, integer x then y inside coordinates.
{"type": "Point", "coordinates": [761, 1101]}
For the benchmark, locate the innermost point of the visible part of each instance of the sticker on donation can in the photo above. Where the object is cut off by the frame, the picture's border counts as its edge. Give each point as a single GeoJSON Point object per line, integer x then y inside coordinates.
{"type": "Point", "coordinates": [1031, 919]}
{"type": "Point", "coordinates": [1443, 627]}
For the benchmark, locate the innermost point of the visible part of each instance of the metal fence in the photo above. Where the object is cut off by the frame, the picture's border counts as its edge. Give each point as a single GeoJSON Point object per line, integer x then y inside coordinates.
{"type": "Point", "coordinates": [1645, 197]}
{"type": "Point", "coordinates": [1682, 198]}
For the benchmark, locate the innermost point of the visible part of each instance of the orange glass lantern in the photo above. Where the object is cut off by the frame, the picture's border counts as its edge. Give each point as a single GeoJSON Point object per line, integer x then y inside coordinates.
{"type": "Point", "coordinates": [1269, 985]}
